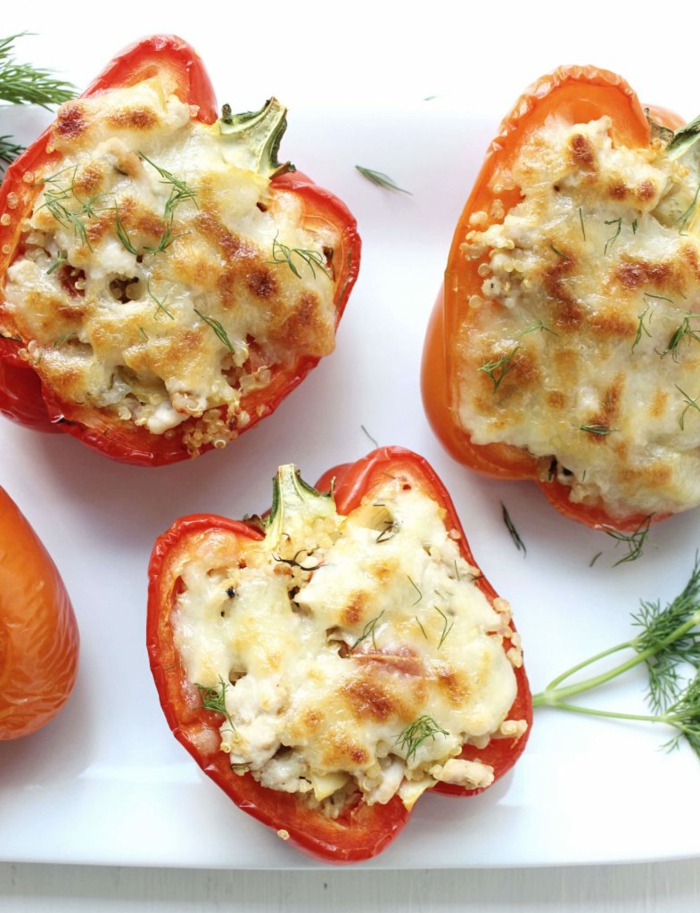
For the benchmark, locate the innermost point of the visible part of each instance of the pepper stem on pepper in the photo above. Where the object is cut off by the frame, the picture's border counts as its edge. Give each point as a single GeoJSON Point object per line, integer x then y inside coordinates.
{"type": "Point", "coordinates": [293, 498]}
{"type": "Point", "coordinates": [256, 136]}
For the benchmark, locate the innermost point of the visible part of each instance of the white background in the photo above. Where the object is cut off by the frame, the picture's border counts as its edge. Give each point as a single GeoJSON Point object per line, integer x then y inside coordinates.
{"type": "Point", "coordinates": [101, 810]}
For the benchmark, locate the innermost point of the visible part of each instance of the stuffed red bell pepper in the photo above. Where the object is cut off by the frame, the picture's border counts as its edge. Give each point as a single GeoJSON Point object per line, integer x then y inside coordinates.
{"type": "Point", "coordinates": [329, 663]}
{"type": "Point", "coordinates": [164, 280]}
{"type": "Point", "coordinates": [565, 344]}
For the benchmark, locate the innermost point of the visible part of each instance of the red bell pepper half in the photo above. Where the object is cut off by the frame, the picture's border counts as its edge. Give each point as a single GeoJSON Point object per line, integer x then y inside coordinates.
{"type": "Point", "coordinates": [25, 395]}
{"type": "Point", "coordinates": [361, 830]}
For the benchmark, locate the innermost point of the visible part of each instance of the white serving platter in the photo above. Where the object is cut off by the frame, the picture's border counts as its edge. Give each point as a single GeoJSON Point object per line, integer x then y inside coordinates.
{"type": "Point", "coordinates": [106, 783]}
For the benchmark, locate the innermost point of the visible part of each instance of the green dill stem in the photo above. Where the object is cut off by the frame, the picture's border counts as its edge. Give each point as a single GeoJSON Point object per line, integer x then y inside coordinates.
{"type": "Point", "coordinates": [635, 717]}
{"type": "Point", "coordinates": [553, 696]}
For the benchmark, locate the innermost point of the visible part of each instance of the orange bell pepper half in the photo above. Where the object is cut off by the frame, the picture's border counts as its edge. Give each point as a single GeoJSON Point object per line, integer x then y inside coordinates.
{"type": "Point", "coordinates": [576, 95]}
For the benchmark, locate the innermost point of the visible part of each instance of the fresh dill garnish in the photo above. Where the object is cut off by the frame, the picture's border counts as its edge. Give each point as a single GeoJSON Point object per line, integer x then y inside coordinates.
{"type": "Point", "coordinates": [635, 541]}
{"type": "Point", "coordinates": [215, 699]}
{"type": "Point", "coordinates": [634, 226]}
{"type": "Point", "coordinates": [122, 232]}
{"type": "Point", "coordinates": [668, 644]}
{"type": "Point", "coordinates": [66, 206]}
{"type": "Point", "coordinates": [413, 736]}
{"type": "Point", "coordinates": [685, 217]}
{"type": "Point", "coordinates": [9, 150]}
{"type": "Point", "coordinates": [420, 625]}
{"type": "Point", "coordinates": [559, 253]}
{"type": "Point", "coordinates": [514, 534]}
{"type": "Point", "coordinates": [217, 327]}
{"type": "Point", "coordinates": [281, 253]}
{"type": "Point", "coordinates": [369, 630]}
{"type": "Point", "coordinates": [536, 325]}
{"type": "Point", "coordinates": [160, 305]}
{"type": "Point", "coordinates": [373, 440]}
{"type": "Point", "coordinates": [641, 329]}
{"type": "Point", "coordinates": [295, 562]}
{"type": "Point", "coordinates": [23, 83]}
{"type": "Point", "coordinates": [166, 239]}
{"type": "Point", "coordinates": [499, 368]}
{"type": "Point", "coordinates": [594, 559]}
{"type": "Point", "coordinates": [391, 528]}
{"type": "Point", "coordinates": [583, 227]}
{"type": "Point", "coordinates": [690, 404]}
{"type": "Point", "coordinates": [180, 191]}
{"type": "Point", "coordinates": [61, 258]}
{"type": "Point", "coordinates": [381, 179]}
{"type": "Point", "coordinates": [417, 589]}
{"type": "Point", "coordinates": [609, 243]}
{"type": "Point", "coordinates": [63, 339]}
{"type": "Point", "coordinates": [684, 331]}
{"type": "Point", "coordinates": [446, 627]}
{"type": "Point", "coordinates": [597, 429]}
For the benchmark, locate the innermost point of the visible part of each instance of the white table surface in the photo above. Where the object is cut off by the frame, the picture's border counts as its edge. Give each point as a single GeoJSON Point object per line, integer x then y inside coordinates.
{"type": "Point", "coordinates": [382, 55]}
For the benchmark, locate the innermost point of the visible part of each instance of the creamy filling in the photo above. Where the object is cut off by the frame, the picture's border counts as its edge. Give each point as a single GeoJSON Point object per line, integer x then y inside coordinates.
{"type": "Point", "coordinates": [350, 655]}
{"type": "Point", "coordinates": [160, 279]}
{"type": "Point", "coordinates": [583, 345]}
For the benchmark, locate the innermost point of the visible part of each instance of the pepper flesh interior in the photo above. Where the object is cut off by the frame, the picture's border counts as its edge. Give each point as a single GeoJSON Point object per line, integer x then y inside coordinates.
{"type": "Point", "coordinates": [348, 655]}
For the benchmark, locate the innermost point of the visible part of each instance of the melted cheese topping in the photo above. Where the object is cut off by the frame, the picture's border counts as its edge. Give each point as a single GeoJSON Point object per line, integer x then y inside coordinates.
{"type": "Point", "coordinates": [584, 345]}
{"type": "Point", "coordinates": [350, 654]}
{"type": "Point", "coordinates": [160, 280]}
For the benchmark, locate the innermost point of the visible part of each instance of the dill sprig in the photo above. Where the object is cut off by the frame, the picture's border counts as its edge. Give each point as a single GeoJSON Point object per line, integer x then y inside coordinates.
{"type": "Point", "coordinates": [180, 191]}
{"type": "Point", "coordinates": [413, 736]}
{"type": "Point", "coordinates": [497, 369]}
{"type": "Point", "coordinates": [635, 540]}
{"type": "Point", "coordinates": [381, 180]}
{"type": "Point", "coordinates": [369, 630]}
{"type": "Point", "coordinates": [690, 403]}
{"type": "Point", "coordinates": [9, 150]}
{"type": "Point", "coordinates": [668, 642]}
{"type": "Point", "coordinates": [23, 83]}
{"type": "Point", "coordinates": [514, 534]}
{"type": "Point", "coordinates": [613, 238]}
{"type": "Point", "coordinates": [446, 626]}
{"type": "Point", "coordinates": [684, 331]}
{"type": "Point", "coordinates": [215, 699]}
{"type": "Point", "coordinates": [217, 327]}
{"type": "Point", "coordinates": [281, 253]}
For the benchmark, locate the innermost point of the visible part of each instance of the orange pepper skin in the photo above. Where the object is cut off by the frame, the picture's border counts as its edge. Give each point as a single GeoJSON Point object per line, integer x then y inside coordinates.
{"type": "Point", "coordinates": [39, 639]}
{"type": "Point", "coordinates": [579, 94]}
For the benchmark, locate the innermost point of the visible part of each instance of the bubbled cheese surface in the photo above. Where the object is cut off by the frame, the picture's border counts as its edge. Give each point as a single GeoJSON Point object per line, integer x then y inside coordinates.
{"type": "Point", "coordinates": [154, 281]}
{"type": "Point", "coordinates": [354, 654]}
{"type": "Point", "coordinates": [583, 345]}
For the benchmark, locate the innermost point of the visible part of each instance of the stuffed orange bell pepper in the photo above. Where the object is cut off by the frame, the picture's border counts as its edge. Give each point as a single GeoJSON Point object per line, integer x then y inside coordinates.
{"type": "Point", "coordinates": [165, 282]}
{"type": "Point", "coordinates": [329, 663]}
{"type": "Point", "coordinates": [564, 347]}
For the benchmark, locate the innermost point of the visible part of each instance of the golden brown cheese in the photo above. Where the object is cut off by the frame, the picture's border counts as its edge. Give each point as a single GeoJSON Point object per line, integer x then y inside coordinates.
{"type": "Point", "coordinates": [156, 278]}
{"type": "Point", "coordinates": [583, 347]}
{"type": "Point", "coordinates": [351, 654]}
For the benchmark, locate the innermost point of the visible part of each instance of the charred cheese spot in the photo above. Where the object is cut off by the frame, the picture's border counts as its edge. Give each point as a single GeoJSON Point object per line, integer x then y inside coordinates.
{"type": "Point", "coordinates": [602, 249]}
{"type": "Point", "coordinates": [343, 659]}
{"type": "Point", "coordinates": [156, 224]}
{"type": "Point", "coordinates": [70, 120]}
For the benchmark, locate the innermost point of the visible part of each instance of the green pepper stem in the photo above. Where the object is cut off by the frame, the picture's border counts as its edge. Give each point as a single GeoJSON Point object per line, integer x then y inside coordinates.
{"type": "Point", "coordinates": [255, 137]}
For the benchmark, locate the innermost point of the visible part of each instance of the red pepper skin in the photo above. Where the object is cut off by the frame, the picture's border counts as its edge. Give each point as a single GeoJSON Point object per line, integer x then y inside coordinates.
{"type": "Point", "coordinates": [39, 638]}
{"type": "Point", "coordinates": [580, 94]}
{"type": "Point", "coordinates": [365, 830]}
{"type": "Point", "coordinates": [24, 400]}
